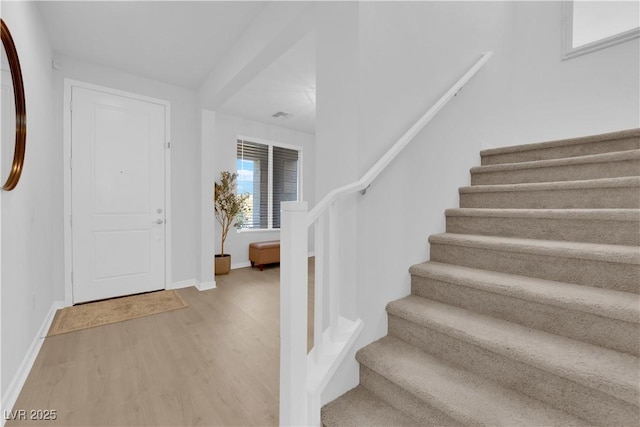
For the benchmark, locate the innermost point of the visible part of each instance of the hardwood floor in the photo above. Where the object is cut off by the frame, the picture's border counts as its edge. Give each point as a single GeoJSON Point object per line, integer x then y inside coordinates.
{"type": "Point", "coordinates": [213, 363]}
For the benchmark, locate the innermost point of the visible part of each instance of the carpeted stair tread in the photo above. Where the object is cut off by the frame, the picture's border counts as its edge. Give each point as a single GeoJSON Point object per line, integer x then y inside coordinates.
{"type": "Point", "coordinates": [359, 407]}
{"type": "Point", "coordinates": [600, 193]}
{"type": "Point", "coordinates": [592, 264]}
{"type": "Point", "coordinates": [606, 226]}
{"type": "Point", "coordinates": [579, 250]}
{"type": "Point", "coordinates": [618, 305]}
{"type": "Point", "coordinates": [608, 371]}
{"type": "Point", "coordinates": [605, 165]}
{"type": "Point", "coordinates": [590, 314]}
{"type": "Point", "coordinates": [623, 182]}
{"type": "Point", "coordinates": [460, 394]}
{"type": "Point", "coordinates": [528, 312]}
{"type": "Point", "coordinates": [539, 164]}
{"type": "Point", "coordinates": [592, 144]}
{"type": "Point", "coordinates": [632, 215]}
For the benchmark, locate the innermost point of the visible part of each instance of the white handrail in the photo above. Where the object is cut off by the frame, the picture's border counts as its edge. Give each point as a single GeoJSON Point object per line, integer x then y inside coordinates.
{"type": "Point", "coordinates": [303, 376]}
{"type": "Point", "coordinates": [366, 180]}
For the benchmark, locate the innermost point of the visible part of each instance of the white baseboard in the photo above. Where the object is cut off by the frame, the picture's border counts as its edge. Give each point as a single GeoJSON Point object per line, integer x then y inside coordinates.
{"type": "Point", "coordinates": [183, 284]}
{"type": "Point", "coordinates": [241, 265]}
{"type": "Point", "coordinates": [13, 391]}
{"type": "Point", "coordinates": [206, 286]}
{"type": "Point", "coordinates": [245, 264]}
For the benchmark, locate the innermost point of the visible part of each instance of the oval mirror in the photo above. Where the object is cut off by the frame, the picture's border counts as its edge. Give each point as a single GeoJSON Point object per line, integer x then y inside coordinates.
{"type": "Point", "coordinates": [14, 117]}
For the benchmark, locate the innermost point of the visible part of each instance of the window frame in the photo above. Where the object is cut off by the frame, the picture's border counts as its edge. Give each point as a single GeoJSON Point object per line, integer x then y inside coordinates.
{"type": "Point", "coordinates": [270, 145]}
{"type": "Point", "coordinates": [568, 51]}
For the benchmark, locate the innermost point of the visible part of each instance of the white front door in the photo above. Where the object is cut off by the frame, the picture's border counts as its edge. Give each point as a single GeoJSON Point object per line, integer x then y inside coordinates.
{"type": "Point", "coordinates": [117, 195]}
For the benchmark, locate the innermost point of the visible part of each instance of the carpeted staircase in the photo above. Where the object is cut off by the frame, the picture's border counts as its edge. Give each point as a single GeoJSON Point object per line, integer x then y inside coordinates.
{"type": "Point", "coordinates": [528, 312]}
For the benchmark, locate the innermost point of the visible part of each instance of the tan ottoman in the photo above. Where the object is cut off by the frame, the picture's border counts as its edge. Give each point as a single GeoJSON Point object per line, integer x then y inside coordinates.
{"type": "Point", "coordinates": [261, 253]}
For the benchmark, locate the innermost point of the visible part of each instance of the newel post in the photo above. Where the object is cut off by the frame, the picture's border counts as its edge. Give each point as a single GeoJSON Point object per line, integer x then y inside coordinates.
{"type": "Point", "coordinates": [293, 314]}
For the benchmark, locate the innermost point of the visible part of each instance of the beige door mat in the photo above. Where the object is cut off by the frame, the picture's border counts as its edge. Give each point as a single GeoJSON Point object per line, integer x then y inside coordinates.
{"type": "Point", "coordinates": [114, 310]}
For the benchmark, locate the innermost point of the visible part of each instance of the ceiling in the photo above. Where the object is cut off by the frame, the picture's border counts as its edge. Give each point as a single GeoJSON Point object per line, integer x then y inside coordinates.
{"type": "Point", "coordinates": [288, 85]}
{"type": "Point", "coordinates": [180, 43]}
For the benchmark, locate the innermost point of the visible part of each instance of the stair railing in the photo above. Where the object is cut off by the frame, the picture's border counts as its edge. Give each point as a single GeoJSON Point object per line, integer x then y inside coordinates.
{"type": "Point", "coordinates": [303, 376]}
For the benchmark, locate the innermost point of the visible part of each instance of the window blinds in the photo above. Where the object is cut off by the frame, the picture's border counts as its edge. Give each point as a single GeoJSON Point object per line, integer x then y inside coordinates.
{"type": "Point", "coordinates": [270, 174]}
{"type": "Point", "coordinates": [254, 175]}
{"type": "Point", "coordinates": [285, 179]}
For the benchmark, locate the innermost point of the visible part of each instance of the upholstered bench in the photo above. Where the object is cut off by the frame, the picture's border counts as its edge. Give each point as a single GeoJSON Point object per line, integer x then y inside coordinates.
{"type": "Point", "coordinates": [261, 253]}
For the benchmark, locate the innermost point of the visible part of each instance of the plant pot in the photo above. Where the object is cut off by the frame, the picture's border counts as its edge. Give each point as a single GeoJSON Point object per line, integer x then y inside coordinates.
{"type": "Point", "coordinates": [222, 264]}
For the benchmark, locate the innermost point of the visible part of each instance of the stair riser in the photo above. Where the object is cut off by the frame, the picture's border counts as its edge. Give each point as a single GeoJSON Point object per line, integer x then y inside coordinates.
{"type": "Point", "coordinates": [610, 275]}
{"type": "Point", "coordinates": [403, 400]}
{"type": "Point", "coordinates": [570, 229]}
{"type": "Point", "coordinates": [560, 152]}
{"type": "Point", "coordinates": [569, 396]}
{"type": "Point", "coordinates": [581, 198]}
{"type": "Point", "coordinates": [593, 329]}
{"type": "Point", "coordinates": [575, 172]}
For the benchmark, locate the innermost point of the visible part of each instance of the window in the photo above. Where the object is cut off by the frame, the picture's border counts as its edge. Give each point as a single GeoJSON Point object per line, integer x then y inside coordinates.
{"type": "Point", "coordinates": [594, 25]}
{"type": "Point", "coordinates": [271, 174]}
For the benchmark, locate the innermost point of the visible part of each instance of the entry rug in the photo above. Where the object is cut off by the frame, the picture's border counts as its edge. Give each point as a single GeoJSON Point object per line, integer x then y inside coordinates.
{"type": "Point", "coordinates": [114, 310]}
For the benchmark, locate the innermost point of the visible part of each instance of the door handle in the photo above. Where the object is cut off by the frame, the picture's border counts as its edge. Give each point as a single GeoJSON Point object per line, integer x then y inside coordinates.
{"type": "Point", "coordinates": [159, 221]}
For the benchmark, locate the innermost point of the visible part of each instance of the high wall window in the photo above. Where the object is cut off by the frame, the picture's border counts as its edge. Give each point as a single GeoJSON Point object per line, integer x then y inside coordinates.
{"type": "Point", "coordinates": [271, 174]}
{"type": "Point", "coordinates": [594, 25]}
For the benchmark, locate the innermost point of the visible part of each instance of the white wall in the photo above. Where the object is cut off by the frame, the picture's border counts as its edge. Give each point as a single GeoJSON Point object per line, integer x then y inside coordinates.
{"type": "Point", "coordinates": [226, 129]}
{"type": "Point", "coordinates": [207, 235]}
{"type": "Point", "coordinates": [32, 265]}
{"type": "Point", "coordinates": [337, 153]}
{"type": "Point", "coordinates": [185, 150]}
{"type": "Point", "coordinates": [409, 54]}
{"type": "Point", "coordinates": [406, 65]}
{"type": "Point", "coordinates": [593, 93]}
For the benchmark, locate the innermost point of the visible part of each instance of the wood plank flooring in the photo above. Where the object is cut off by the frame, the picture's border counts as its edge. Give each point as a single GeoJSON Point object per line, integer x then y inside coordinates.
{"type": "Point", "coordinates": [215, 363]}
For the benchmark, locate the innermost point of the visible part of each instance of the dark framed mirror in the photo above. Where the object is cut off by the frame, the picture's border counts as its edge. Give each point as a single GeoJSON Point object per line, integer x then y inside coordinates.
{"type": "Point", "coordinates": [14, 115]}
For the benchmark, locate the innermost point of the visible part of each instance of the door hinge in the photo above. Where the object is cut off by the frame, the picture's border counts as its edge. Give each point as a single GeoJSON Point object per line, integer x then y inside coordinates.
{"type": "Point", "coordinates": [169, 144]}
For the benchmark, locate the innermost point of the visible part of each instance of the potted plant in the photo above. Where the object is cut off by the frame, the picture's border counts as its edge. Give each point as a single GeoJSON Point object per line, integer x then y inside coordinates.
{"type": "Point", "coordinates": [230, 209]}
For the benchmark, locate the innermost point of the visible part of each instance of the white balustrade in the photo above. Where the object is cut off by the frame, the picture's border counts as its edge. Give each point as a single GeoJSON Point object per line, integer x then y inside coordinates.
{"type": "Point", "coordinates": [293, 314]}
{"type": "Point", "coordinates": [302, 376]}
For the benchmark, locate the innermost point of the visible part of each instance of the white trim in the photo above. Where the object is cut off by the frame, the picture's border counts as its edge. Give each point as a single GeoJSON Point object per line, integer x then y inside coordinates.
{"type": "Point", "coordinates": [293, 315]}
{"type": "Point", "coordinates": [66, 152]}
{"type": "Point", "coordinates": [1, 197]}
{"type": "Point", "coordinates": [206, 286]}
{"type": "Point", "coordinates": [168, 217]}
{"type": "Point", "coordinates": [243, 264]}
{"type": "Point", "coordinates": [300, 170]}
{"type": "Point", "coordinates": [268, 142]}
{"type": "Point", "coordinates": [270, 145]}
{"type": "Point", "coordinates": [568, 51]}
{"type": "Point", "coordinates": [14, 388]}
{"type": "Point", "coordinates": [256, 230]}
{"type": "Point", "coordinates": [321, 368]}
{"type": "Point", "coordinates": [270, 186]}
{"type": "Point", "coordinates": [183, 284]}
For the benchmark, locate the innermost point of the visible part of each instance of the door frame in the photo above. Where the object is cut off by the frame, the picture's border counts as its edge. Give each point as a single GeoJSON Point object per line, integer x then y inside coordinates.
{"type": "Point", "coordinates": [68, 241]}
